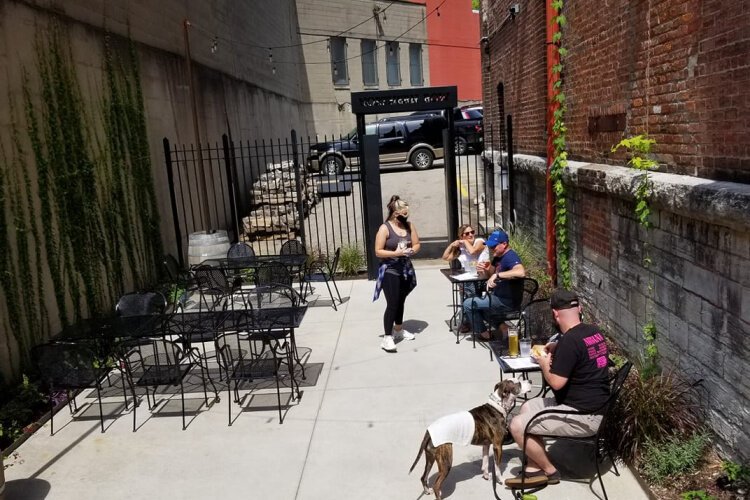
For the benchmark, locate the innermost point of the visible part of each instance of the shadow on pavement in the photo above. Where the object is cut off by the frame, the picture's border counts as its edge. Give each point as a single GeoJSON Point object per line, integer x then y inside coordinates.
{"type": "Point", "coordinates": [26, 489]}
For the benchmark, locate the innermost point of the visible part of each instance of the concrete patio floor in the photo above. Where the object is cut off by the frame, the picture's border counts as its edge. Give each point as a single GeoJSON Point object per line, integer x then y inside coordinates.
{"type": "Point", "coordinates": [354, 434]}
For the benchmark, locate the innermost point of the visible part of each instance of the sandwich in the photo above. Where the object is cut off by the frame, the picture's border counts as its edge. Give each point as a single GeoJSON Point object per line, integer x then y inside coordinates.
{"type": "Point", "coordinates": [537, 351]}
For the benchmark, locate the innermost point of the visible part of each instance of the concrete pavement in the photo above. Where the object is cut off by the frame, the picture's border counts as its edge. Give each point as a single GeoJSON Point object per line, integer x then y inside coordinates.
{"type": "Point", "coordinates": [355, 433]}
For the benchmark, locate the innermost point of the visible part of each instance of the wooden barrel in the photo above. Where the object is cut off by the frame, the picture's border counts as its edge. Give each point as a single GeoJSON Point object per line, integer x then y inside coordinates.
{"type": "Point", "coordinates": [203, 245]}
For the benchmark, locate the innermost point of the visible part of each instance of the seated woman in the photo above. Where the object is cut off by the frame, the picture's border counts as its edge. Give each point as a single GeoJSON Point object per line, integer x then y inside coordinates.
{"type": "Point", "coordinates": [469, 251]}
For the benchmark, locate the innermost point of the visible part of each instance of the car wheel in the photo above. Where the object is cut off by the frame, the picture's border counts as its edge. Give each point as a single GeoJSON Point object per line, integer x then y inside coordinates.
{"type": "Point", "coordinates": [422, 159]}
{"type": "Point", "coordinates": [332, 165]}
{"type": "Point", "coordinates": [459, 146]}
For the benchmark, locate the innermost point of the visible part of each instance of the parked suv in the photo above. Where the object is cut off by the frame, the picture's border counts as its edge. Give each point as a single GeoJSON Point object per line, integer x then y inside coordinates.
{"type": "Point", "coordinates": [468, 127]}
{"type": "Point", "coordinates": [417, 140]}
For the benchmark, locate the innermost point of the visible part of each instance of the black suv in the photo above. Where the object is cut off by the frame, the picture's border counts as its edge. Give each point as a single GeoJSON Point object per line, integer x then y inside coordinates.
{"type": "Point", "coordinates": [468, 128]}
{"type": "Point", "coordinates": [408, 139]}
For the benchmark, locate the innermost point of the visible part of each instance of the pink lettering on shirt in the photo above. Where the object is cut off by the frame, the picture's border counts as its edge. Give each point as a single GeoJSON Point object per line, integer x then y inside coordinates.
{"type": "Point", "coordinates": [597, 349]}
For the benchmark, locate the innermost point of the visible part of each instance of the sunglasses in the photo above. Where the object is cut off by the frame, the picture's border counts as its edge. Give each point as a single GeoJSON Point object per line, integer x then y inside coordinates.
{"type": "Point", "coordinates": [467, 233]}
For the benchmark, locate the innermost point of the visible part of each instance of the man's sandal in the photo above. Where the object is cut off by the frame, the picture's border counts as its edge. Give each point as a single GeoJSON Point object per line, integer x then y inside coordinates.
{"type": "Point", "coordinates": [533, 480]}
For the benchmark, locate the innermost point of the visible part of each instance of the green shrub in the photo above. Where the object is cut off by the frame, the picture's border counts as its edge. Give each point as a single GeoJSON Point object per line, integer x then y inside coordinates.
{"type": "Point", "coordinates": [21, 409]}
{"type": "Point", "coordinates": [697, 495]}
{"type": "Point", "coordinates": [534, 260]}
{"type": "Point", "coordinates": [673, 456]}
{"type": "Point", "coordinates": [652, 409]}
{"type": "Point", "coordinates": [351, 260]}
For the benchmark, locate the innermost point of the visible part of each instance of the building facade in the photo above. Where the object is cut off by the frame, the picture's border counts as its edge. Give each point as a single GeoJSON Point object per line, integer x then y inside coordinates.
{"type": "Point", "coordinates": [677, 71]}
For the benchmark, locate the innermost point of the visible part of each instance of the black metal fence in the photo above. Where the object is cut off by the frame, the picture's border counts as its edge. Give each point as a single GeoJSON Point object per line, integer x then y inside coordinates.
{"type": "Point", "coordinates": [263, 193]}
{"type": "Point", "coordinates": [269, 191]}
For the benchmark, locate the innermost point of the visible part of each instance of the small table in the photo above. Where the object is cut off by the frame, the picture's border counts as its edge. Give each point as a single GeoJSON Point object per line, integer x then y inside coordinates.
{"type": "Point", "coordinates": [516, 365]}
{"type": "Point", "coordinates": [458, 278]}
{"type": "Point", "coordinates": [293, 261]}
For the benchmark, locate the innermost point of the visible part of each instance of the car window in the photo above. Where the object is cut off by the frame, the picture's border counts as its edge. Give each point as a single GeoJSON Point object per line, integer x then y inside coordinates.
{"type": "Point", "coordinates": [473, 114]}
{"type": "Point", "coordinates": [457, 115]}
{"type": "Point", "coordinates": [414, 125]}
{"type": "Point", "coordinates": [387, 130]}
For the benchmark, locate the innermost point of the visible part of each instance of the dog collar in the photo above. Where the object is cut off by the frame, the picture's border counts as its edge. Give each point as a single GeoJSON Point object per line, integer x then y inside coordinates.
{"type": "Point", "coordinates": [497, 404]}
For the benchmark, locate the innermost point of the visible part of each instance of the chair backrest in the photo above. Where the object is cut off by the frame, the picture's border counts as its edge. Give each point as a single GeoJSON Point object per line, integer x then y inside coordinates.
{"type": "Point", "coordinates": [537, 322]}
{"type": "Point", "coordinates": [159, 352]}
{"type": "Point", "coordinates": [530, 287]}
{"type": "Point", "coordinates": [141, 304]}
{"type": "Point", "coordinates": [273, 273]}
{"type": "Point", "coordinates": [616, 384]}
{"type": "Point", "coordinates": [240, 250]}
{"type": "Point", "coordinates": [293, 247]}
{"type": "Point", "coordinates": [211, 278]}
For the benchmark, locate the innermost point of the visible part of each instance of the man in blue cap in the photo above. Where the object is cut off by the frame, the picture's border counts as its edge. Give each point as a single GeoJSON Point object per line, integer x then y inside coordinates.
{"type": "Point", "coordinates": [504, 293]}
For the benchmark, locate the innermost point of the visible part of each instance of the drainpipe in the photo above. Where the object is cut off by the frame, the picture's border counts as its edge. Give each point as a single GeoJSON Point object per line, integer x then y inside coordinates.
{"type": "Point", "coordinates": [553, 58]}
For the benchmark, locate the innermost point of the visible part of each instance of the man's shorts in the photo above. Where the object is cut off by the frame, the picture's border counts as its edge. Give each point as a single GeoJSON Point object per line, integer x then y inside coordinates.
{"type": "Point", "coordinates": [557, 424]}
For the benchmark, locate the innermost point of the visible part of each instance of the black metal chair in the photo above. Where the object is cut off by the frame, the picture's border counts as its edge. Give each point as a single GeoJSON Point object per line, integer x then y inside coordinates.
{"type": "Point", "coordinates": [240, 250]}
{"type": "Point", "coordinates": [212, 282]}
{"type": "Point", "coordinates": [597, 440]}
{"type": "Point", "coordinates": [273, 273]}
{"type": "Point", "coordinates": [322, 271]}
{"type": "Point", "coordinates": [71, 366]}
{"type": "Point", "coordinates": [295, 247]}
{"type": "Point", "coordinates": [163, 362]}
{"type": "Point", "coordinates": [256, 352]}
{"type": "Point", "coordinates": [536, 322]}
{"type": "Point", "coordinates": [141, 304]}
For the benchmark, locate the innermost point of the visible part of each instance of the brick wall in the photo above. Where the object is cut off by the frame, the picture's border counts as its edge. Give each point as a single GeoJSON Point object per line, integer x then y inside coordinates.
{"type": "Point", "coordinates": [701, 264]}
{"type": "Point", "coordinates": [676, 69]}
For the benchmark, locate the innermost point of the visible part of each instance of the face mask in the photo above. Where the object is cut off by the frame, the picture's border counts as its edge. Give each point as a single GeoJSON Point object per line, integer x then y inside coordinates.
{"type": "Point", "coordinates": [402, 219]}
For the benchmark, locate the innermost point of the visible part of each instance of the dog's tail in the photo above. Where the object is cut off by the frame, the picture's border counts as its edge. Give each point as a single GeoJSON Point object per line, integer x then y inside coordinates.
{"type": "Point", "coordinates": [421, 449]}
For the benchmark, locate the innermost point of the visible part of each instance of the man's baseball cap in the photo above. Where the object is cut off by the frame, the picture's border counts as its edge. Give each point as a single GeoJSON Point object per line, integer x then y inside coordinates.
{"type": "Point", "coordinates": [498, 236]}
{"type": "Point", "coordinates": [563, 299]}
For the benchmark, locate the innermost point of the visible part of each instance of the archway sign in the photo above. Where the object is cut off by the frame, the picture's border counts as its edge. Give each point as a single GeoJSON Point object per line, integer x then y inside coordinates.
{"type": "Point", "coordinates": [393, 101]}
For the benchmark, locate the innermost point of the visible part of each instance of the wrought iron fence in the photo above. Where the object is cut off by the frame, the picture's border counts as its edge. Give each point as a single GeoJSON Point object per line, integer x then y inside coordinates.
{"type": "Point", "coordinates": [264, 193]}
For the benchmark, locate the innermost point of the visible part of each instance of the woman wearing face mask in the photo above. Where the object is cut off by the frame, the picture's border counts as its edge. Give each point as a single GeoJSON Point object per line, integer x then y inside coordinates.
{"type": "Point", "coordinates": [397, 240]}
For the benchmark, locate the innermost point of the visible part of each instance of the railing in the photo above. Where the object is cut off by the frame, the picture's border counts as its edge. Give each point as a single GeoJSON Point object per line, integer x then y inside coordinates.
{"type": "Point", "coordinates": [263, 192]}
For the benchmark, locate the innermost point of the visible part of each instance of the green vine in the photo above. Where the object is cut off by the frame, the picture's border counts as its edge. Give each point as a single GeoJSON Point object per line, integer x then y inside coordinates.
{"type": "Point", "coordinates": [639, 147]}
{"type": "Point", "coordinates": [560, 158]}
{"type": "Point", "coordinates": [91, 216]}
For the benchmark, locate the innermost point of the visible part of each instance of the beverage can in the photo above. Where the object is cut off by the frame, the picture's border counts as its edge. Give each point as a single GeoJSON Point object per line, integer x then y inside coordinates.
{"type": "Point", "coordinates": [513, 342]}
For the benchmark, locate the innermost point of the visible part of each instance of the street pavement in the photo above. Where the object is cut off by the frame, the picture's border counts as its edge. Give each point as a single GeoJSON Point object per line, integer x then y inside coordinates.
{"type": "Point", "coordinates": [354, 434]}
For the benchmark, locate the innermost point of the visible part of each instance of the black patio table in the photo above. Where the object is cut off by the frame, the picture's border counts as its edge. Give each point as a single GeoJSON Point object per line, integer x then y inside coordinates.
{"type": "Point", "coordinates": [458, 278]}
{"type": "Point", "coordinates": [294, 261]}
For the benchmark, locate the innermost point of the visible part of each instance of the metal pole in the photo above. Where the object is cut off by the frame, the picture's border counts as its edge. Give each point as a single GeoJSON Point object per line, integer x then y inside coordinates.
{"type": "Point", "coordinates": [196, 129]}
{"type": "Point", "coordinates": [232, 185]}
{"type": "Point", "coordinates": [511, 205]}
{"type": "Point", "coordinates": [451, 180]}
{"type": "Point", "coordinates": [173, 200]}
{"type": "Point", "coordinates": [299, 187]}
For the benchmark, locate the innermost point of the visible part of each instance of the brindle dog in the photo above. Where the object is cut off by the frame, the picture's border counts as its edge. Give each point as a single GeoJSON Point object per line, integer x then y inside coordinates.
{"type": "Point", "coordinates": [489, 429]}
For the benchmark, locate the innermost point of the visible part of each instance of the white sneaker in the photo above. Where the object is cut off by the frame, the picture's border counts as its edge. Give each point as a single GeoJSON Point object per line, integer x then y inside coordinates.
{"type": "Point", "coordinates": [388, 345]}
{"type": "Point", "coordinates": [403, 335]}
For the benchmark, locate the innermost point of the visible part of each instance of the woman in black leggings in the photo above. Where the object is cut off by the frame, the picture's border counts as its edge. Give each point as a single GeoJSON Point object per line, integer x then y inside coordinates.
{"type": "Point", "coordinates": [397, 240]}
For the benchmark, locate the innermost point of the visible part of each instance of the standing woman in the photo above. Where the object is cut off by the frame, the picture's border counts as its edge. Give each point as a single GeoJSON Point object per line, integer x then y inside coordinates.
{"type": "Point", "coordinates": [397, 240]}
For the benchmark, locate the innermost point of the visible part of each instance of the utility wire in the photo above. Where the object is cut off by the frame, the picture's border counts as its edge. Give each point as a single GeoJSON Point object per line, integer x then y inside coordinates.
{"type": "Point", "coordinates": [250, 44]}
{"type": "Point", "coordinates": [424, 18]}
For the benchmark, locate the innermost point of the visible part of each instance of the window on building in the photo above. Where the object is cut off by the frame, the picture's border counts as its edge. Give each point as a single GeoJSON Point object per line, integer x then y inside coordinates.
{"type": "Point", "coordinates": [393, 69]}
{"type": "Point", "coordinates": [339, 68]}
{"type": "Point", "coordinates": [415, 64]}
{"type": "Point", "coordinates": [369, 63]}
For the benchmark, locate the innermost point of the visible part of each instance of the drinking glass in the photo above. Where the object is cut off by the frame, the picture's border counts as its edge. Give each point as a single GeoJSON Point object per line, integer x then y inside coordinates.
{"type": "Point", "coordinates": [513, 342]}
{"type": "Point", "coordinates": [525, 345]}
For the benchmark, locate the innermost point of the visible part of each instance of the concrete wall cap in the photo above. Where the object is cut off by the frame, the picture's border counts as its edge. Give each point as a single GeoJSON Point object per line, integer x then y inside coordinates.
{"type": "Point", "coordinates": [724, 203]}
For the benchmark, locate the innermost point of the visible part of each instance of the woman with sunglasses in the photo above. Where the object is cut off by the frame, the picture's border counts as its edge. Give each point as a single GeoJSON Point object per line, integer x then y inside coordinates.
{"type": "Point", "coordinates": [467, 249]}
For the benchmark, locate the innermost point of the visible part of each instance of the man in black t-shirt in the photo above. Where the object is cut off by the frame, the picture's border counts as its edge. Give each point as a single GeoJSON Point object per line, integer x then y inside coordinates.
{"type": "Point", "coordinates": [575, 367]}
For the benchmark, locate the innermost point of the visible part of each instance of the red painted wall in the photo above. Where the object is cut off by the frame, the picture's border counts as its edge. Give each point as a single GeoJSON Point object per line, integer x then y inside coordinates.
{"type": "Point", "coordinates": [453, 39]}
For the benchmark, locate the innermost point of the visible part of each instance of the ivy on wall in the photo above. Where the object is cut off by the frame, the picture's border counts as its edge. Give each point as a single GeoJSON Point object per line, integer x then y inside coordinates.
{"type": "Point", "coordinates": [560, 158]}
{"type": "Point", "coordinates": [87, 215]}
{"type": "Point", "coordinates": [639, 147]}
